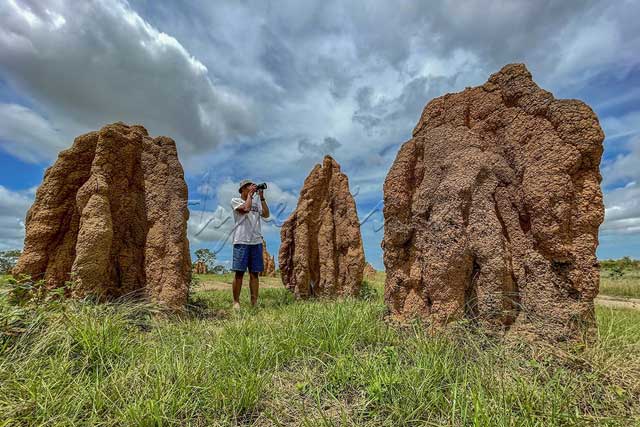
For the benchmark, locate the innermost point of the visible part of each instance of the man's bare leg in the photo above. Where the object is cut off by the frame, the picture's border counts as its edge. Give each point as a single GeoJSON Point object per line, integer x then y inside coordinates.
{"type": "Point", "coordinates": [237, 287]}
{"type": "Point", "coordinates": [254, 285]}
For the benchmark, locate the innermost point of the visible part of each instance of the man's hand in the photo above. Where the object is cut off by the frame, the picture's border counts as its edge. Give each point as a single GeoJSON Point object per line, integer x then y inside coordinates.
{"type": "Point", "coordinates": [252, 190]}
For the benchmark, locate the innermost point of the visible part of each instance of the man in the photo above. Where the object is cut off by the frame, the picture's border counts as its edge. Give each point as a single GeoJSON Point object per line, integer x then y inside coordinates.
{"type": "Point", "coordinates": [247, 238]}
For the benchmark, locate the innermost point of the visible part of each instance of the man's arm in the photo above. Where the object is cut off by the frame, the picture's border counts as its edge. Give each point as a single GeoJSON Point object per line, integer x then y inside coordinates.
{"type": "Point", "coordinates": [246, 206]}
{"type": "Point", "coordinates": [265, 208]}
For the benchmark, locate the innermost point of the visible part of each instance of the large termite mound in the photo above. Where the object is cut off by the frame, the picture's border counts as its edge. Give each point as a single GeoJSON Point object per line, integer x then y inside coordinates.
{"type": "Point", "coordinates": [492, 210]}
{"type": "Point", "coordinates": [111, 217]}
{"type": "Point", "coordinates": [268, 261]}
{"type": "Point", "coordinates": [321, 248]}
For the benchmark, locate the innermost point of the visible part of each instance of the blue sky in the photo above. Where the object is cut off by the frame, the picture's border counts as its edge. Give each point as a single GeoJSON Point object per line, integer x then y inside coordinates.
{"type": "Point", "coordinates": [265, 89]}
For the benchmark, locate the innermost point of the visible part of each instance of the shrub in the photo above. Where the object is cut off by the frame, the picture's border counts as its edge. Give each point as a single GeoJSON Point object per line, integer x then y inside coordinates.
{"type": "Point", "coordinates": [368, 292]}
{"type": "Point", "coordinates": [617, 272]}
{"type": "Point", "coordinates": [8, 260]}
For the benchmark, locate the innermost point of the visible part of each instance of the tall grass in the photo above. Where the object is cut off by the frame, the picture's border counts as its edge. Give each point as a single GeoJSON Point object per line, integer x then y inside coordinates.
{"type": "Point", "coordinates": [627, 286]}
{"type": "Point", "coordinates": [309, 363]}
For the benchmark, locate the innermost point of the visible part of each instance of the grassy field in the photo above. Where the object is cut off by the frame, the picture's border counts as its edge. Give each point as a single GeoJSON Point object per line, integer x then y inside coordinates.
{"type": "Point", "coordinates": [300, 363]}
{"type": "Point", "coordinates": [627, 286]}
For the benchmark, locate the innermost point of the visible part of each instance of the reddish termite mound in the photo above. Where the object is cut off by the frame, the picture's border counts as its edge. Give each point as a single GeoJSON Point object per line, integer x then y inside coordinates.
{"type": "Point", "coordinates": [111, 216]}
{"type": "Point", "coordinates": [268, 262]}
{"type": "Point", "coordinates": [492, 211]}
{"type": "Point", "coordinates": [369, 271]}
{"type": "Point", "coordinates": [200, 267]}
{"type": "Point", "coordinates": [321, 248]}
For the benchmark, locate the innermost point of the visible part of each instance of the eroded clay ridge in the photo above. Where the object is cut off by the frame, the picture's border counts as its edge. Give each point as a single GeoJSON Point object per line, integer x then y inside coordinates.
{"type": "Point", "coordinates": [321, 247]}
{"type": "Point", "coordinates": [111, 216]}
{"type": "Point", "coordinates": [492, 210]}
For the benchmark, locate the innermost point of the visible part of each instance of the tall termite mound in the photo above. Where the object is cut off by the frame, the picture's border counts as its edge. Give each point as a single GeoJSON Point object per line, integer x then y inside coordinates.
{"type": "Point", "coordinates": [111, 217]}
{"type": "Point", "coordinates": [492, 211]}
{"type": "Point", "coordinates": [321, 247]}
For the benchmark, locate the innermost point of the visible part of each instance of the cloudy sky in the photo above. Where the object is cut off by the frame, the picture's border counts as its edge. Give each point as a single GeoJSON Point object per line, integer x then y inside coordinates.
{"type": "Point", "coordinates": [264, 89]}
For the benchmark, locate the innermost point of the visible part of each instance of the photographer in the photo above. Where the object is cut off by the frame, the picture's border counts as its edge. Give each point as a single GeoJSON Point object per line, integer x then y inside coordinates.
{"type": "Point", "coordinates": [247, 237]}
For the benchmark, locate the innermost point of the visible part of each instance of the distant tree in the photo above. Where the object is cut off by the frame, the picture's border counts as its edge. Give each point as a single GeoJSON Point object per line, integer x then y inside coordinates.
{"type": "Point", "coordinates": [626, 262]}
{"type": "Point", "coordinates": [620, 265]}
{"type": "Point", "coordinates": [206, 256]}
{"type": "Point", "coordinates": [8, 260]}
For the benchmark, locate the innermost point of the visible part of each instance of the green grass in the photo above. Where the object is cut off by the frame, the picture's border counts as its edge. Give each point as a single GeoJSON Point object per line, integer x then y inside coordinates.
{"type": "Point", "coordinates": [300, 363]}
{"type": "Point", "coordinates": [628, 286]}
{"type": "Point", "coordinates": [227, 277]}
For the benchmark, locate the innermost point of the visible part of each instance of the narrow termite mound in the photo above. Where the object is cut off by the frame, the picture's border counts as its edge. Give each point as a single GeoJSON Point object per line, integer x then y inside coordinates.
{"type": "Point", "coordinates": [200, 267]}
{"type": "Point", "coordinates": [268, 262]}
{"type": "Point", "coordinates": [321, 247]}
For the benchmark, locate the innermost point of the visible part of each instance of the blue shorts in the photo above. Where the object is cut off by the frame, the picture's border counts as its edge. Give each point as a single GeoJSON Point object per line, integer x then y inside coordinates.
{"type": "Point", "coordinates": [247, 256]}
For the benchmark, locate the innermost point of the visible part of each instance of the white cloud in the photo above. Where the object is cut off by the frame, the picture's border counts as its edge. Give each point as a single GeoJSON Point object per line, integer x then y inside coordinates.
{"type": "Point", "coordinates": [622, 213]}
{"type": "Point", "coordinates": [207, 226]}
{"type": "Point", "coordinates": [614, 100]}
{"type": "Point", "coordinates": [622, 125]}
{"type": "Point", "coordinates": [625, 167]}
{"type": "Point", "coordinates": [26, 135]}
{"type": "Point", "coordinates": [89, 63]}
{"type": "Point", "coordinates": [277, 196]}
{"type": "Point", "coordinates": [13, 210]}
{"type": "Point", "coordinates": [328, 146]}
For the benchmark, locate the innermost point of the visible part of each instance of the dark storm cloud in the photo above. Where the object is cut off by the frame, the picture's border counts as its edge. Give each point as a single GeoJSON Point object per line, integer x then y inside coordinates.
{"type": "Point", "coordinates": [392, 117]}
{"type": "Point", "coordinates": [284, 54]}
{"type": "Point", "coordinates": [500, 31]}
{"type": "Point", "coordinates": [328, 146]}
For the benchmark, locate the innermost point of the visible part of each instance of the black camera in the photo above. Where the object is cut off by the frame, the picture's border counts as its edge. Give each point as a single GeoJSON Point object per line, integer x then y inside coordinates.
{"type": "Point", "coordinates": [262, 186]}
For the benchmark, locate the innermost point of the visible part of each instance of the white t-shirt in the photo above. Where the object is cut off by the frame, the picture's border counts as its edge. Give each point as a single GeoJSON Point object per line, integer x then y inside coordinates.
{"type": "Point", "coordinates": [247, 225]}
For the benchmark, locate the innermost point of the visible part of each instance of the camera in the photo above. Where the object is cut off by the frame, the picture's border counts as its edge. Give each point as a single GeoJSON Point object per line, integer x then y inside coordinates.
{"type": "Point", "coordinates": [262, 186]}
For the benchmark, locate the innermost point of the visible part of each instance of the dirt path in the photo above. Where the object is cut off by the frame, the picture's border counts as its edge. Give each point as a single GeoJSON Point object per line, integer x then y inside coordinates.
{"type": "Point", "coordinates": [216, 285]}
{"type": "Point", "coordinates": [613, 302]}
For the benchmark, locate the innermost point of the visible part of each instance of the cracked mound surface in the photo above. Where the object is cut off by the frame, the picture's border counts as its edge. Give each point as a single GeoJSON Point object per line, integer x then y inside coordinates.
{"type": "Point", "coordinates": [321, 250]}
{"type": "Point", "coordinates": [111, 216]}
{"type": "Point", "coordinates": [492, 211]}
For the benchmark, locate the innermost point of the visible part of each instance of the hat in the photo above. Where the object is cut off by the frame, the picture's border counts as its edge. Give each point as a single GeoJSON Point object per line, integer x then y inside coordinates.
{"type": "Point", "coordinates": [243, 183]}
